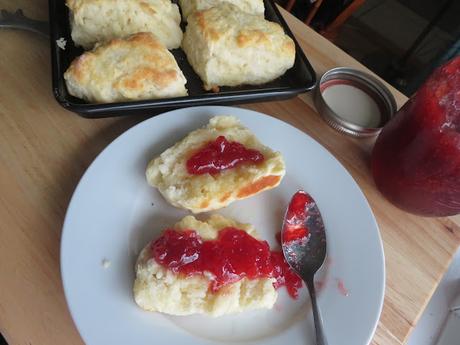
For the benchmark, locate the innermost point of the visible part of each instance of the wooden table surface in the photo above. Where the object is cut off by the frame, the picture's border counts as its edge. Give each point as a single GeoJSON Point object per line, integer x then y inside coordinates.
{"type": "Point", "coordinates": [44, 150]}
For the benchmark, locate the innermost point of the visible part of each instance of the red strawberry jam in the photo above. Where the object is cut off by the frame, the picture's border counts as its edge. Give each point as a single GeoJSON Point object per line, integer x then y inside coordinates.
{"type": "Point", "coordinates": [221, 154]}
{"type": "Point", "coordinates": [416, 159]}
{"type": "Point", "coordinates": [284, 275]}
{"type": "Point", "coordinates": [234, 255]}
{"type": "Point", "coordinates": [295, 225]}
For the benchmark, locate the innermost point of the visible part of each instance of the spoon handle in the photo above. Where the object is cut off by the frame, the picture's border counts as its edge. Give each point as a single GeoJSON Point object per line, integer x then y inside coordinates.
{"type": "Point", "coordinates": [320, 337]}
{"type": "Point", "coordinates": [18, 20]}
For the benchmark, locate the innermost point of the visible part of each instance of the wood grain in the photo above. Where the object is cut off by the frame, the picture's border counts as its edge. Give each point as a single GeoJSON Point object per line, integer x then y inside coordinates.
{"type": "Point", "coordinates": [44, 150]}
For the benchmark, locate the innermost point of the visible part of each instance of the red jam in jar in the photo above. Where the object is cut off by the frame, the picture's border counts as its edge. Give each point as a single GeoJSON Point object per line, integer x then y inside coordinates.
{"type": "Point", "coordinates": [416, 158]}
{"type": "Point", "coordinates": [219, 155]}
{"type": "Point", "coordinates": [234, 255]}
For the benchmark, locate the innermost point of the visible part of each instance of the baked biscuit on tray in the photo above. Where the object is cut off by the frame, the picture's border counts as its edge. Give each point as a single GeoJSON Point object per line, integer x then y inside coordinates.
{"type": "Point", "coordinates": [95, 21]}
{"type": "Point", "coordinates": [250, 6]}
{"type": "Point", "coordinates": [229, 47]}
{"type": "Point", "coordinates": [135, 68]}
{"type": "Point", "coordinates": [214, 166]}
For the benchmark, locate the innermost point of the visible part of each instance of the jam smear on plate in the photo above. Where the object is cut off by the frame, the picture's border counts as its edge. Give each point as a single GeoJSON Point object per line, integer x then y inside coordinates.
{"type": "Point", "coordinates": [219, 155]}
{"type": "Point", "coordinates": [234, 255]}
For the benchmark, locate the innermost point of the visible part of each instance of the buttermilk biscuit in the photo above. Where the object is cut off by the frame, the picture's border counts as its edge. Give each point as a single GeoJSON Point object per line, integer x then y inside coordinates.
{"type": "Point", "coordinates": [135, 68]}
{"type": "Point", "coordinates": [101, 20]}
{"type": "Point", "coordinates": [228, 47]}
{"type": "Point", "coordinates": [250, 6]}
{"type": "Point", "coordinates": [157, 288]}
{"type": "Point", "coordinates": [200, 193]}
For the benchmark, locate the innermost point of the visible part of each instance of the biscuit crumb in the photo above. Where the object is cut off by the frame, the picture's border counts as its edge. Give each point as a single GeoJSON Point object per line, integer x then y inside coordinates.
{"type": "Point", "coordinates": [105, 263]}
{"type": "Point", "coordinates": [61, 43]}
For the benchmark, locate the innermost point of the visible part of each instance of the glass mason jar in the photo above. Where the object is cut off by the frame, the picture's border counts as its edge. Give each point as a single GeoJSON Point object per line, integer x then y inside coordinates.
{"type": "Point", "coordinates": [416, 158]}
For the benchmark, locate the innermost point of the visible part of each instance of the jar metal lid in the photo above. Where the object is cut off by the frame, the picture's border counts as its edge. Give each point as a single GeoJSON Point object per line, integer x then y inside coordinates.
{"type": "Point", "coordinates": [381, 105]}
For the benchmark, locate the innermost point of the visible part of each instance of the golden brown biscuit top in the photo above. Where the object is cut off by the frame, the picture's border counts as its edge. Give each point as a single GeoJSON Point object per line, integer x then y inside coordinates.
{"type": "Point", "coordinates": [207, 30]}
{"type": "Point", "coordinates": [227, 22]}
{"type": "Point", "coordinates": [75, 5]}
{"type": "Point", "coordinates": [250, 37]}
{"type": "Point", "coordinates": [142, 49]}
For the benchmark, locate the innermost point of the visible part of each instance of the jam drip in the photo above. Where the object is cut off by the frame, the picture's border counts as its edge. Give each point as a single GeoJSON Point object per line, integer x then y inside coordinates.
{"type": "Point", "coordinates": [284, 275]}
{"type": "Point", "coordinates": [234, 255]}
{"type": "Point", "coordinates": [219, 155]}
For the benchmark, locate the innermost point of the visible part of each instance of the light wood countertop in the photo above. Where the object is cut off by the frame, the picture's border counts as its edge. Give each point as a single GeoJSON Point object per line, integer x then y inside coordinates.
{"type": "Point", "coordinates": [44, 150]}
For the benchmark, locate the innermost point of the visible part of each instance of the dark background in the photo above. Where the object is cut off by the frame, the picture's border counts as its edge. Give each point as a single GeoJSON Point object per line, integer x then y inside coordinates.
{"type": "Point", "coordinates": [381, 35]}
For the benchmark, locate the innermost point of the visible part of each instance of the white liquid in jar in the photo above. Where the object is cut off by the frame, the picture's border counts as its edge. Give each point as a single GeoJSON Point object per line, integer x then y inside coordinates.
{"type": "Point", "coordinates": [353, 105]}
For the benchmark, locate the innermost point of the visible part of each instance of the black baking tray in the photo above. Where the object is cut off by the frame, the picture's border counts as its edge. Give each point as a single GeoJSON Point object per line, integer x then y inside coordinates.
{"type": "Point", "coordinates": [300, 78]}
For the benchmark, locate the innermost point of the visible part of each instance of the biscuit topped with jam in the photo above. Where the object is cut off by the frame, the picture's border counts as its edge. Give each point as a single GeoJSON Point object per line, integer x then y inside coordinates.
{"type": "Point", "coordinates": [214, 166]}
{"type": "Point", "coordinates": [213, 267]}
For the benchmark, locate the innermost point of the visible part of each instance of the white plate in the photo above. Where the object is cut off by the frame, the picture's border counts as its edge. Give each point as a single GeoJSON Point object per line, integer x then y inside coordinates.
{"type": "Point", "coordinates": [114, 213]}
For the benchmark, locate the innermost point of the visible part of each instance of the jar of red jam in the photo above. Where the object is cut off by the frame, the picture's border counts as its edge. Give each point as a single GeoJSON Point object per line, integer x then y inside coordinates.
{"type": "Point", "coordinates": [416, 158]}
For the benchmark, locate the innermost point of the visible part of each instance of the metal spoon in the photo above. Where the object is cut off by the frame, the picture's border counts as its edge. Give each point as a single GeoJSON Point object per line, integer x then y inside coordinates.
{"type": "Point", "coordinates": [303, 240]}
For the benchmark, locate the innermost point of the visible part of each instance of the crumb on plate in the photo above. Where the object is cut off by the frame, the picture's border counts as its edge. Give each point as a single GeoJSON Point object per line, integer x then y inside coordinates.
{"type": "Point", "coordinates": [105, 263]}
